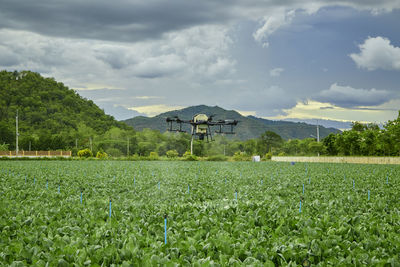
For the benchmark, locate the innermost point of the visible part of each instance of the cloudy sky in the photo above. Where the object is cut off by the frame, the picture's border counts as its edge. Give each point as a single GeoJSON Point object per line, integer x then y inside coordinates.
{"type": "Point", "coordinates": [275, 59]}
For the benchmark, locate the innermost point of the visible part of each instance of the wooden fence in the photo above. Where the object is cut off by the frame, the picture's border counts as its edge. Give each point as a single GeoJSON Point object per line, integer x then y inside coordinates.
{"type": "Point", "coordinates": [23, 153]}
{"type": "Point", "coordinates": [359, 160]}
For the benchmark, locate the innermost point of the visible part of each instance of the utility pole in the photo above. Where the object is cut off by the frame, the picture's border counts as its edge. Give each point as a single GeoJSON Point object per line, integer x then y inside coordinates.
{"type": "Point", "coordinates": [76, 143]}
{"type": "Point", "coordinates": [90, 140]}
{"type": "Point", "coordinates": [29, 145]}
{"type": "Point", "coordinates": [318, 134]}
{"type": "Point", "coordinates": [191, 146]}
{"type": "Point", "coordinates": [16, 134]}
{"type": "Point", "coordinates": [191, 142]}
{"type": "Point", "coordinates": [127, 149]}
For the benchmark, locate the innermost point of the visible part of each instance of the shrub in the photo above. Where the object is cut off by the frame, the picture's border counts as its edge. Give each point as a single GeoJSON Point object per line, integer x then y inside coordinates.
{"type": "Point", "coordinates": [268, 155]}
{"type": "Point", "coordinates": [241, 156]}
{"type": "Point", "coordinates": [101, 155]}
{"type": "Point", "coordinates": [153, 156]}
{"type": "Point", "coordinates": [172, 153]}
{"type": "Point", "coordinates": [4, 147]}
{"type": "Point", "coordinates": [114, 152]}
{"type": "Point", "coordinates": [85, 153]}
{"type": "Point", "coordinates": [74, 151]}
{"type": "Point", "coordinates": [189, 157]}
{"type": "Point", "coordinates": [217, 158]}
{"type": "Point", "coordinates": [134, 157]}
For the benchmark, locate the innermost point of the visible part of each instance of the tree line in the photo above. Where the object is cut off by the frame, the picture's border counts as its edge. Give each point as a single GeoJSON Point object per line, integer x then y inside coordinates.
{"type": "Point", "coordinates": [360, 140]}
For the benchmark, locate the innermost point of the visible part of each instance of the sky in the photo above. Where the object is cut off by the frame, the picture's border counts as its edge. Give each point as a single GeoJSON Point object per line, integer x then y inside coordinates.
{"type": "Point", "coordinates": [276, 59]}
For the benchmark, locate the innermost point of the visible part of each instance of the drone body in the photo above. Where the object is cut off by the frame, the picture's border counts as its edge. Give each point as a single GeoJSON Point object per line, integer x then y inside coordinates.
{"type": "Point", "coordinates": [201, 126]}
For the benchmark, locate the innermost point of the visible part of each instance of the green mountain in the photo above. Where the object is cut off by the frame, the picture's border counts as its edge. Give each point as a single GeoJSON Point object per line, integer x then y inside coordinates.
{"type": "Point", "coordinates": [51, 116]}
{"type": "Point", "coordinates": [248, 127]}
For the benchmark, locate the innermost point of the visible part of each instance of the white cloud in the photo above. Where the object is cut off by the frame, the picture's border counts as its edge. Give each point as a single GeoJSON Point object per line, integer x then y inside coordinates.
{"type": "Point", "coordinates": [314, 109]}
{"type": "Point", "coordinates": [377, 53]}
{"type": "Point", "coordinates": [276, 72]}
{"type": "Point", "coordinates": [346, 96]}
{"type": "Point", "coordinates": [272, 23]}
{"type": "Point", "coordinates": [247, 113]}
{"type": "Point", "coordinates": [153, 110]}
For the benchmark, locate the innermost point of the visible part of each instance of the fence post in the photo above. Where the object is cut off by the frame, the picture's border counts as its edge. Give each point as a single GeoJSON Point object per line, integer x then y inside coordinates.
{"type": "Point", "coordinates": [48, 153]}
{"type": "Point", "coordinates": [36, 153]}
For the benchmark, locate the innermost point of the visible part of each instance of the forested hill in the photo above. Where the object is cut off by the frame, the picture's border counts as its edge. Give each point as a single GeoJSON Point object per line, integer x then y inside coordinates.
{"type": "Point", "coordinates": [248, 127]}
{"type": "Point", "coordinates": [51, 115]}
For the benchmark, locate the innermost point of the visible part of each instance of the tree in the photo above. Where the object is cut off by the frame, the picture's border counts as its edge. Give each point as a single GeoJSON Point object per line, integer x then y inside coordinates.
{"type": "Point", "coordinates": [267, 141]}
{"type": "Point", "coordinates": [393, 131]}
{"type": "Point", "coordinates": [316, 148]}
{"type": "Point", "coordinates": [357, 126]}
{"type": "Point", "coordinates": [291, 147]}
{"type": "Point", "coordinates": [330, 145]}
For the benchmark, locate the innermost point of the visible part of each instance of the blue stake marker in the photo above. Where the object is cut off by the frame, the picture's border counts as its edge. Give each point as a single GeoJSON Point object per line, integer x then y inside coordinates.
{"type": "Point", "coordinates": [225, 180]}
{"type": "Point", "coordinates": [261, 181]}
{"type": "Point", "coordinates": [309, 179]}
{"type": "Point", "coordinates": [368, 195]}
{"type": "Point", "coordinates": [300, 207]}
{"type": "Point", "coordinates": [159, 185]}
{"type": "Point", "coordinates": [303, 188]}
{"type": "Point", "coordinates": [165, 229]}
{"type": "Point", "coordinates": [110, 208]}
{"type": "Point", "coordinates": [81, 197]}
{"type": "Point", "coordinates": [188, 189]}
{"type": "Point", "coordinates": [354, 185]}
{"type": "Point", "coordinates": [34, 180]}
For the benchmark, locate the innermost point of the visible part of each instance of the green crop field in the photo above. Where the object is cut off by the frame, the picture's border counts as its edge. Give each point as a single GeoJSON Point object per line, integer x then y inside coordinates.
{"type": "Point", "coordinates": [218, 214]}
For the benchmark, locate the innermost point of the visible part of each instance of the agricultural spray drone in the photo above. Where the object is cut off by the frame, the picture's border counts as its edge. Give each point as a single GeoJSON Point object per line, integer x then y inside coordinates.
{"type": "Point", "coordinates": [201, 126]}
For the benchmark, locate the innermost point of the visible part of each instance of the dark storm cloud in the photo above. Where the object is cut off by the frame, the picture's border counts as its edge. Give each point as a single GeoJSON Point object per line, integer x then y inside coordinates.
{"type": "Point", "coordinates": [134, 20]}
{"type": "Point", "coordinates": [348, 97]}
{"type": "Point", "coordinates": [108, 20]}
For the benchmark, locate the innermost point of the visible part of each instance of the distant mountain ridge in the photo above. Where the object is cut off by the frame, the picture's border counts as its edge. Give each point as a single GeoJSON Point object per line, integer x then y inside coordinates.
{"type": "Point", "coordinates": [249, 127]}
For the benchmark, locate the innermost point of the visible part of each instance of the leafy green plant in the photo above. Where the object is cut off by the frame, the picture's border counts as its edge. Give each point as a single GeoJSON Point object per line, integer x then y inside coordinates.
{"type": "Point", "coordinates": [219, 213]}
{"type": "Point", "coordinates": [153, 156]}
{"type": "Point", "coordinates": [4, 147]}
{"type": "Point", "coordinates": [172, 153]}
{"type": "Point", "coordinates": [85, 153]}
{"type": "Point", "coordinates": [101, 155]}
